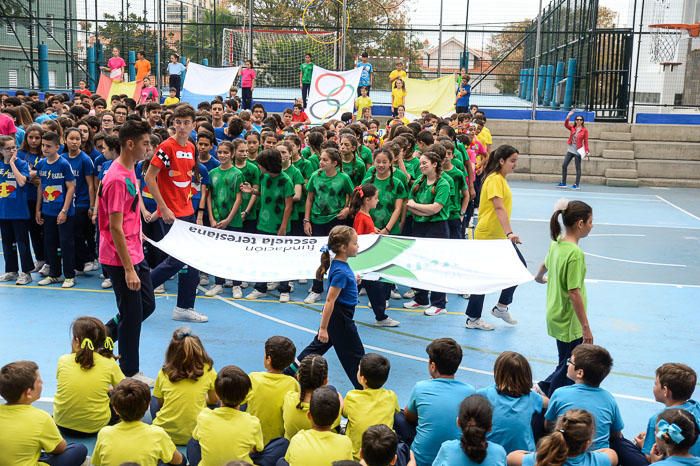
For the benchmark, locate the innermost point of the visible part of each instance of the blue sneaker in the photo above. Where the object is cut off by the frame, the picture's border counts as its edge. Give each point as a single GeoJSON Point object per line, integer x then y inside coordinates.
{"type": "Point", "coordinates": [575, 186]}
{"type": "Point", "coordinates": [561, 185]}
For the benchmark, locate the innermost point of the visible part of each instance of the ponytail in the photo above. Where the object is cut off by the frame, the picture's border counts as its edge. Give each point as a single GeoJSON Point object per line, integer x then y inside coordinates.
{"type": "Point", "coordinates": [571, 213]}
{"type": "Point", "coordinates": [325, 265]}
{"type": "Point", "coordinates": [571, 435]}
{"type": "Point", "coordinates": [91, 335]}
{"type": "Point", "coordinates": [475, 420]}
{"type": "Point", "coordinates": [359, 194]}
{"type": "Point", "coordinates": [340, 236]}
{"type": "Point", "coordinates": [312, 374]}
{"type": "Point", "coordinates": [503, 152]}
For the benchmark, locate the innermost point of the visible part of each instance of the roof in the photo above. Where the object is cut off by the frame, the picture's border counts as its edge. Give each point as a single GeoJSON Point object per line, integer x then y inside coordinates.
{"type": "Point", "coordinates": [452, 40]}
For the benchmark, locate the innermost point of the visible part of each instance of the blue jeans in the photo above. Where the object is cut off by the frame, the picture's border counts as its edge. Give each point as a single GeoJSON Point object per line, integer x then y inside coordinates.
{"type": "Point", "coordinates": [73, 455]}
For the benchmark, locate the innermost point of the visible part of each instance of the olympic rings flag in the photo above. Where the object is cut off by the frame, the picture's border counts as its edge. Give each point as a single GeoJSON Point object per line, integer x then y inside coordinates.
{"type": "Point", "coordinates": [332, 93]}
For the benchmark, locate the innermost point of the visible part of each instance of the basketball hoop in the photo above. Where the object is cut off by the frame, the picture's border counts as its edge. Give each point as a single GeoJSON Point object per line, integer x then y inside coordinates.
{"type": "Point", "coordinates": [664, 42]}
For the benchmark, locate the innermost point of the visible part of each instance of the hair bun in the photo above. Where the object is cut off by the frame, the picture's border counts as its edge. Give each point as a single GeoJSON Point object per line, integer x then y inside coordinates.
{"type": "Point", "coordinates": [561, 204]}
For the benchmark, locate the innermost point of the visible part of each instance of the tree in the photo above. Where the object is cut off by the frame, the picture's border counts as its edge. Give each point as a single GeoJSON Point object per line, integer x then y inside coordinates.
{"type": "Point", "coordinates": [509, 42]}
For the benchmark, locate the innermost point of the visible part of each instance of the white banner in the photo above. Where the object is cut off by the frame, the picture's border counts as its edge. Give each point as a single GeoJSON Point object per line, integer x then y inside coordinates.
{"type": "Point", "coordinates": [332, 93]}
{"type": "Point", "coordinates": [451, 266]}
{"type": "Point", "coordinates": [203, 83]}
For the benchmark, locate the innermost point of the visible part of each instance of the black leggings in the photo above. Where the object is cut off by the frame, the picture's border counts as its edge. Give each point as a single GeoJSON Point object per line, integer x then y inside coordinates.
{"type": "Point", "coordinates": [565, 166]}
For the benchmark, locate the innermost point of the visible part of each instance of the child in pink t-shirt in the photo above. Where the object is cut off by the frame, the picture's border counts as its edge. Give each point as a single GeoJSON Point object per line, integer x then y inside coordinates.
{"type": "Point", "coordinates": [115, 66]}
{"type": "Point", "coordinates": [247, 84]}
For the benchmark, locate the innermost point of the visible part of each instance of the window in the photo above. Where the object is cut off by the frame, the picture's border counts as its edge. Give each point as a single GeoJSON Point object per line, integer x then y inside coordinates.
{"type": "Point", "coordinates": [11, 27]}
{"type": "Point", "coordinates": [52, 79]}
{"type": "Point", "coordinates": [49, 24]}
{"type": "Point", "coordinates": [12, 80]}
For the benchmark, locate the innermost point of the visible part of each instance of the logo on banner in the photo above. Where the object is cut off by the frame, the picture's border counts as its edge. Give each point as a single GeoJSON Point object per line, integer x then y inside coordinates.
{"type": "Point", "coordinates": [335, 93]}
{"type": "Point", "coordinates": [383, 253]}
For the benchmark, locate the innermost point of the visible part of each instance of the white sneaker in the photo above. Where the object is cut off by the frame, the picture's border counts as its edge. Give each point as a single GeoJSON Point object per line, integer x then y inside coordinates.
{"type": "Point", "coordinates": [410, 294]}
{"type": "Point", "coordinates": [478, 324]}
{"type": "Point", "coordinates": [414, 305]}
{"type": "Point", "coordinates": [102, 276]}
{"type": "Point", "coordinates": [49, 281]}
{"type": "Point", "coordinates": [395, 294]}
{"type": "Point", "coordinates": [38, 266]}
{"type": "Point", "coordinates": [272, 286]}
{"type": "Point", "coordinates": [89, 267]}
{"type": "Point", "coordinates": [284, 297]}
{"type": "Point", "coordinates": [24, 279]}
{"type": "Point", "coordinates": [312, 297]}
{"type": "Point", "coordinates": [95, 265]}
{"type": "Point", "coordinates": [236, 292]}
{"type": "Point", "coordinates": [434, 311]}
{"type": "Point", "coordinates": [244, 285]}
{"type": "Point", "coordinates": [255, 294]}
{"type": "Point", "coordinates": [106, 283]}
{"type": "Point", "coordinates": [505, 315]}
{"type": "Point", "coordinates": [45, 270]}
{"type": "Point", "coordinates": [203, 280]}
{"type": "Point", "coordinates": [228, 283]}
{"type": "Point", "coordinates": [303, 281]}
{"type": "Point", "coordinates": [363, 292]}
{"type": "Point", "coordinates": [214, 290]}
{"type": "Point", "coordinates": [9, 277]}
{"type": "Point", "coordinates": [160, 289]}
{"type": "Point", "coordinates": [388, 322]}
{"type": "Point", "coordinates": [291, 287]}
{"type": "Point", "coordinates": [189, 315]}
{"type": "Point", "coordinates": [68, 283]}
{"type": "Point", "coordinates": [141, 377]}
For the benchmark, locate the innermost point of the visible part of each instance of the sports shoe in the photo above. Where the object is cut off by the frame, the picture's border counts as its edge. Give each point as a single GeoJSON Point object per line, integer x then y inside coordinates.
{"type": "Point", "coordinates": [141, 377]}
{"type": "Point", "coordinates": [303, 281]}
{"type": "Point", "coordinates": [388, 322]}
{"type": "Point", "coordinates": [255, 294]}
{"type": "Point", "coordinates": [478, 324]}
{"type": "Point", "coordinates": [214, 290]}
{"type": "Point", "coordinates": [575, 186]}
{"type": "Point", "coordinates": [189, 315]}
{"type": "Point", "coordinates": [88, 267]}
{"type": "Point", "coordinates": [203, 279]}
{"type": "Point", "coordinates": [561, 185]}
{"type": "Point", "coordinates": [228, 283]}
{"type": "Point", "coordinates": [160, 289]}
{"type": "Point", "coordinates": [395, 294]}
{"type": "Point", "coordinates": [505, 315]}
{"type": "Point", "coordinates": [236, 292]}
{"type": "Point", "coordinates": [244, 285]}
{"type": "Point", "coordinates": [466, 296]}
{"type": "Point", "coordinates": [37, 266]}
{"type": "Point", "coordinates": [24, 279]}
{"type": "Point", "coordinates": [49, 281]}
{"type": "Point", "coordinates": [312, 297]}
{"type": "Point", "coordinates": [272, 286]}
{"type": "Point", "coordinates": [8, 277]}
{"type": "Point", "coordinates": [95, 265]}
{"type": "Point", "coordinates": [45, 270]}
{"type": "Point", "coordinates": [434, 311]}
{"type": "Point", "coordinates": [68, 283]}
{"type": "Point", "coordinates": [410, 294]}
{"type": "Point", "coordinates": [106, 283]}
{"type": "Point", "coordinates": [284, 297]}
{"type": "Point", "coordinates": [414, 305]}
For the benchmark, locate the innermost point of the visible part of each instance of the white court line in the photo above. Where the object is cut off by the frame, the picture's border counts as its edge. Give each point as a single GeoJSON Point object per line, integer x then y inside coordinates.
{"type": "Point", "coordinates": [628, 282]}
{"type": "Point", "coordinates": [635, 225]}
{"type": "Point", "coordinates": [661, 264]}
{"type": "Point", "coordinates": [678, 208]}
{"type": "Point", "coordinates": [616, 234]}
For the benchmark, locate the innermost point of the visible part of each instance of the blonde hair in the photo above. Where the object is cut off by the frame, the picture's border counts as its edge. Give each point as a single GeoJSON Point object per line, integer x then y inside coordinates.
{"type": "Point", "coordinates": [571, 435]}
{"type": "Point", "coordinates": [340, 236]}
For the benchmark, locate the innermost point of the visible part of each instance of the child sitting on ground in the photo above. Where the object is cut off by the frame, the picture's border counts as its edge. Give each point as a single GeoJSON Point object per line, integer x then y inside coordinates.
{"type": "Point", "coordinates": [379, 448]}
{"type": "Point", "coordinates": [676, 433]}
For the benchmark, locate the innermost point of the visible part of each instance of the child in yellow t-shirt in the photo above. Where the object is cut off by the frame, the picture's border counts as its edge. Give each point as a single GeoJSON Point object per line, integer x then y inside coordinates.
{"type": "Point", "coordinates": [398, 73]}
{"type": "Point", "coordinates": [172, 98]}
{"type": "Point", "coordinates": [269, 388]}
{"type": "Point", "coordinates": [320, 446]}
{"type": "Point", "coordinates": [133, 441]}
{"type": "Point", "coordinates": [184, 386]}
{"type": "Point", "coordinates": [227, 434]}
{"type": "Point", "coordinates": [373, 404]}
{"type": "Point", "coordinates": [398, 96]}
{"type": "Point", "coordinates": [84, 379]}
{"type": "Point", "coordinates": [29, 435]}
{"type": "Point", "coordinates": [362, 102]}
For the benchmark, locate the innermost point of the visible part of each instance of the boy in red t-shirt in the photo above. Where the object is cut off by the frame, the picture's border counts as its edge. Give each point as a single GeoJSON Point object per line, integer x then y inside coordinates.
{"type": "Point", "coordinates": [169, 177]}
{"type": "Point", "coordinates": [299, 115]}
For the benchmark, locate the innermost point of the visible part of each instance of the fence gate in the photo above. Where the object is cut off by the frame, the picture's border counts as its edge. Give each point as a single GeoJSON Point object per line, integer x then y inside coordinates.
{"type": "Point", "coordinates": [609, 81]}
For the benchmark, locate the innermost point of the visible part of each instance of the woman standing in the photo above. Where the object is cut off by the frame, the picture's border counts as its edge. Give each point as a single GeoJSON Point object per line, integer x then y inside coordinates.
{"type": "Point", "coordinates": [175, 70]}
{"type": "Point", "coordinates": [494, 223]}
{"type": "Point", "coordinates": [115, 66]}
{"type": "Point", "coordinates": [247, 84]}
{"type": "Point", "coordinates": [577, 143]}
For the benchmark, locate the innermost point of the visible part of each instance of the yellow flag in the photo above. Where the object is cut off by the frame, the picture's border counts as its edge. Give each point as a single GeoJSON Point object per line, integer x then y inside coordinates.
{"type": "Point", "coordinates": [436, 95]}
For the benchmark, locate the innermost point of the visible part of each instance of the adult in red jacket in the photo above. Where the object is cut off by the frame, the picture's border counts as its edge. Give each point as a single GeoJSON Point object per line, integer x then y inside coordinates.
{"type": "Point", "coordinates": [577, 146]}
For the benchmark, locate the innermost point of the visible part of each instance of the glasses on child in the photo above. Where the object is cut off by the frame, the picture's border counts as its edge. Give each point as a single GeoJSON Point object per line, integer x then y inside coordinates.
{"type": "Point", "coordinates": [569, 361]}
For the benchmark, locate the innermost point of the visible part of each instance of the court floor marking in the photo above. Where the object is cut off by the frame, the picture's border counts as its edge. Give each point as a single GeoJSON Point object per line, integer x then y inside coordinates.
{"type": "Point", "coordinates": [678, 208]}
{"type": "Point", "coordinates": [635, 225]}
{"type": "Point", "coordinates": [628, 282]}
{"type": "Point", "coordinates": [591, 194]}
{"type": "Point", "coordinates": [631, 235]}
{"type": "Point", "coordinates": [629, 261]}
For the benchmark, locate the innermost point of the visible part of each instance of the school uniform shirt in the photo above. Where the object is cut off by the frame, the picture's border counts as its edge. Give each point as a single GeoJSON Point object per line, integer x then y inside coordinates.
{"type": "Point", "coordinates": [355, 170]}
{"type": "Point", "coordinates": [13, 197]}
{"type": "Point", "coordinates": [171, 101]}
{"type": "Point", "coordinates": [361, 103]}
{"type": "Point", "coordinates": [94, 153]}
{"type": "Point", "coordinates": [149, 94]}
{"type": "Point", "coordinates": [143, 69]}
{"type": "Point", "coordinates": [132, 442]}
{"type": "Point", "coordinates": [182, 402]}
{"type": "Point", "coordinates": [679, 461]}
{"type": "Point", "coordinates": [329, 195]}
{"type": "Point", "coordinates": [456, 176]}
{"type": "Point", "coordinates": [424, 195]}
{"type": "Point", "coordinates": [389, 190]}
{"type": "Point", "coordinates": [32, 160]}
{"type": "Point", "coordinates": [692, 407]}
{"type": "Point", "coordinates": [227, 434]}
{"type": "Point", "coordinates": [251, 175]}
{"type": "Point", "coordinates": [225, 185]}
{"type": "Point", "coordinates": [105, 169]}
{"type": "Point", "coordinates": [176, 163]}
{"type": "Point", "coordinates": [436, 403]}
{"type": "Point", "coordinates": [307, 70]}
{"type": "Point", "coordinates": [314, 161]}
{"type": "Point", "coordinates": [512, 417]}
{"type": "Point", "coordinates": [298, 179]}
{"type": "Point", "coordinates": [366, 408]}
{"type": "Point", "coordinates": [489, 227]}
{"type": "Point", "coordinates": [363, 224]}
{"type": "Point", "coordinates": [566, 270]}
{"type": "Point", "coordinates": [367, 69]}
{"type": "Point", "coordinates": [247, 77]}
{"type": "Point", "coordinates": [366, 154]}
{"type": "Point", "coordinates": [274, 190]}
{"type": "Point", "coordinates": [220, 134]}
{"type": "Point", "coordinates": [54, 177]}
{"type": "Point", "coordinates": [451, 454]}
{"type": "Point", "coordinates": [196, 186]}
{"type": "Point", "coordinates": [297, 419]}
{"type": "Point", "coordinates": [396, 173]}
{"type": "Point", "coordinates": [98, 163]}
{"type": "Point", "coordinates": [26, 432]}
{"type": "Point", "coordinates": [82, 395]}
{"type": "Point", "coordinates": [176, 68]}
{"type": "Point", "coordinates": [116, 63]}
{"type": "Point", "coordinates": [265, 401]}
{"type": "Point", "coordinates": [589, 458]}
{"type": "Point", "coordinates": [146, 197]}
{"type": "Point", "coordinates": [485, 137]}
{"type": "Point", "coordinates": [304, 167]}
{"type": "Point", "coordinates": [397, 74]}
{"type": "Point", "coordinates": [118, 194]}
{"type": "Point", "coordinates": [315, 448]}
{"type": "Point", "coordinates": [212, 163]}
{"type": "Point", "coordinates": [398, 97]}
{"type": "Point", "coordinates": [300, 118]}
{"type": "Point", "coordinates": [597, 401]}
{"type": "Point", "coordinates": [340, 275]}
{"type": "Point", "coordinates": [412, 165]}
{"type": "Point", "coordinates": [82, 168]}
{"type": "Point", "coordinates": [463, 100]}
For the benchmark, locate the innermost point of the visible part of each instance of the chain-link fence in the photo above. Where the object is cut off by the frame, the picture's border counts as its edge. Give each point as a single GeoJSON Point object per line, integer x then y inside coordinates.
{"type": "Point", "coordinates": [584, 60]}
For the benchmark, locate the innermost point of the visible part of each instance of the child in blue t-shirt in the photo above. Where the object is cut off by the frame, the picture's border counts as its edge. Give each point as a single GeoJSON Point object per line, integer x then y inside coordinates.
{"type": "Point", "coordinates": [337, 328]}
{"type": "Point", "coordinates": [30, 152]}
{"type": "Point", "coordinates": [676, 433]}
{"type": "Point", "coordinates": [514, 403]}
{"type": "Point", "coordinates": [55, 211]}
{"type": "Point", "coordinates": [434, 404]}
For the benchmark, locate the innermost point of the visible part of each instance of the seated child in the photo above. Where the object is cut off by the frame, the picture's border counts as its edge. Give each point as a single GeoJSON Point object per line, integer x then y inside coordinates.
{"type": "Point", "coordinates": [475, 417]}
{"type": "Point", "coordinates": [84, 379]}
{"type": "Point", "coordinates": [184, 386]}
{"type": "Point", "coordinates": [319, 445]}
{"type": "Point", "coordinates": [373, 404]}
{"type": "Point", "coordinates": [568, 445]}
{"type": "Point", "coordinates": [269, 388]}
{"type": "Point", "coordinates": [676, 432]}
{"type": "Point", "coordinates": [379, 445]}
{"type": "Point", "coordinates": [133, 441]}
{"type": "Point", "coordinates": [434, 404]}
{"type": "Point", "coordinates": [29, 434]}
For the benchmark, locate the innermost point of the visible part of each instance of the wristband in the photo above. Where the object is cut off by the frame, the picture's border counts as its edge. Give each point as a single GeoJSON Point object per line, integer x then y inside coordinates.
{"type": "Point", "coordinates": [306, 220]}
{"type": "Point", "coordinates": [508, 234]}
{"type": "Point", "coordinates": [200, 209]}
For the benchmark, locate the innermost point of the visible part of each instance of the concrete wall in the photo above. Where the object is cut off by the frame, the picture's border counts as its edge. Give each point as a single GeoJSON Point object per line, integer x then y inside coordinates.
{"type": "Point", "coordinates": [621, 154]}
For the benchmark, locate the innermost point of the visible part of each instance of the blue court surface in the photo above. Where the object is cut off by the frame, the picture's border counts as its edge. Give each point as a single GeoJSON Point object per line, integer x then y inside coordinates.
{"type": "Point", "coordinates": [643, 261]}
